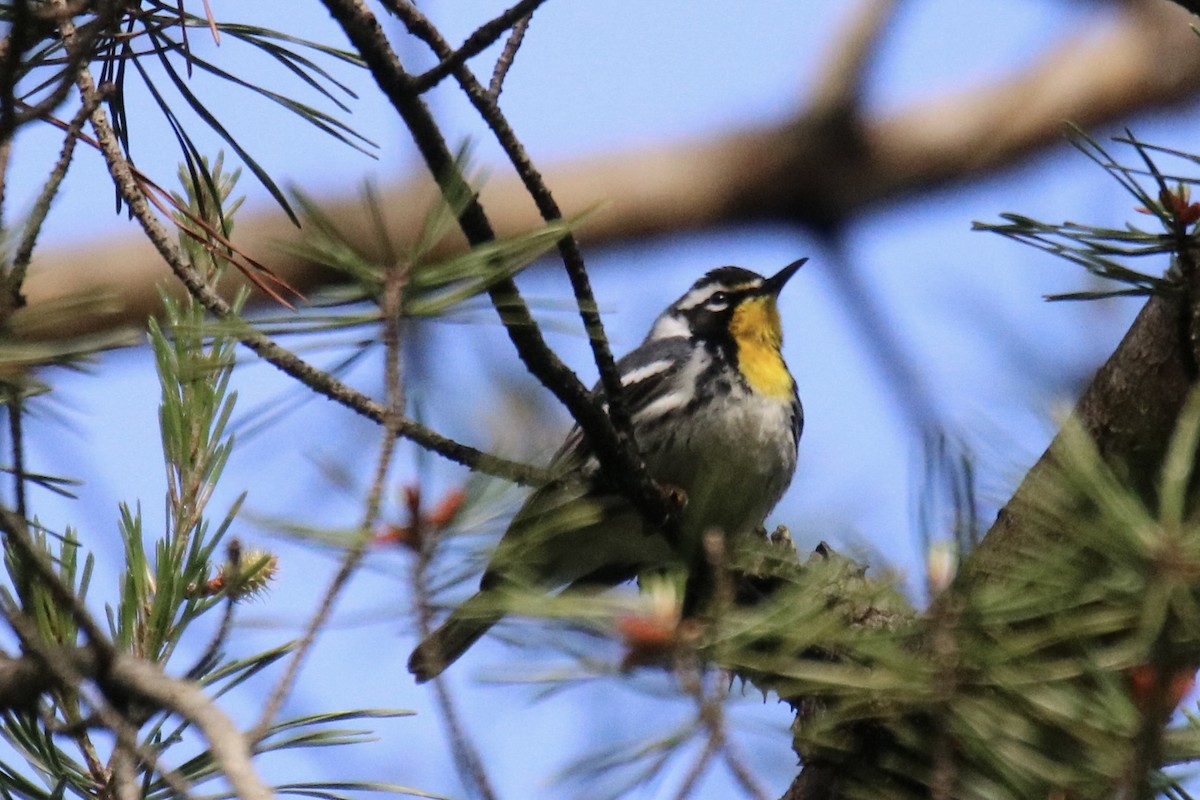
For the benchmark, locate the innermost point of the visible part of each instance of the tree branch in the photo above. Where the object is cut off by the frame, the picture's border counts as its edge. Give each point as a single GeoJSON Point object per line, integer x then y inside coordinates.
{"type": "Point", "coordinates": [617, 457]}
{"type": "Point", "coordinates": [1129, 409]}
{"type": "Point", "coordinates": [486, 104]}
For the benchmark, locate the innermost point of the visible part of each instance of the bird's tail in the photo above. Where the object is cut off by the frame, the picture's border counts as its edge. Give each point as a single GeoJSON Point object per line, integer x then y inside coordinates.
{"type": "Point", "coordinates": [465, 625]}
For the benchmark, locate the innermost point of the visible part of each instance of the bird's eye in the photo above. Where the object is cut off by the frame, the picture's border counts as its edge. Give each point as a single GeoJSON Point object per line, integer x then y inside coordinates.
{"type": "Point", "coordinates": [718, 301]}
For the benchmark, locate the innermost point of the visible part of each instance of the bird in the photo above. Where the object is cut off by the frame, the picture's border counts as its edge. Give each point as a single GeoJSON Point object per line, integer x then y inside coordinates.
{"type": "Point", "coordinates": [717, 418]}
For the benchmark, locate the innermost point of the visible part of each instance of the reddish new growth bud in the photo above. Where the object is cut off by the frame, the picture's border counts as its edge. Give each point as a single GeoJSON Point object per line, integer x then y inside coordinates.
{"type": "Point", "coordinates": [655, 632]}
{"type": "Point", "coordinates": [420, 525]}
{"type": "Point", "coordinates": [212, 586]}
{"type": "Point", "coordinates": [652, 639]}
{"type": "Point", "coordinates": [1177, 206]}
{"type": "Point", "coordinates": [412, 500]}
{"type": "Point", "coordinates": [1144, 682]}
{"type": "Point", "coordinates": [398, 534]}
{"type": "Point", "coordinates": [447, 509]}
{"type": "Point", "coordinates": [648, 638]}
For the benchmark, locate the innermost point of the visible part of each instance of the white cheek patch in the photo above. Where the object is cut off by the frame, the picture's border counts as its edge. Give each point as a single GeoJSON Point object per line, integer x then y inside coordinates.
{"type": "Point", "coordinates": [670, 327]}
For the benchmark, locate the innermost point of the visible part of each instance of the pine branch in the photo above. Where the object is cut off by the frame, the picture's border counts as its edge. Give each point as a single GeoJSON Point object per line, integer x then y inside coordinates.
{"type": "Point", "coordinates": [323, 383]}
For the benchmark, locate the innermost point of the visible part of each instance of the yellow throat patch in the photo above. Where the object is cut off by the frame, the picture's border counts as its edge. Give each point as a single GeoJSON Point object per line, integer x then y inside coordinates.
{"type": "Point", "coordinates": [758, 334]}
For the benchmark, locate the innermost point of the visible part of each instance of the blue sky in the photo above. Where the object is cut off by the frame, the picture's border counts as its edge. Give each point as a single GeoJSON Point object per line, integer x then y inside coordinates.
{"type": "Point", "coordinates": [591, 78]}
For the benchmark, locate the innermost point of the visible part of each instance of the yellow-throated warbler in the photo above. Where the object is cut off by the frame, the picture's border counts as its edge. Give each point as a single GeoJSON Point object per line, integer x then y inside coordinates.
{"type": "Point", "coordinates": [715, 414]}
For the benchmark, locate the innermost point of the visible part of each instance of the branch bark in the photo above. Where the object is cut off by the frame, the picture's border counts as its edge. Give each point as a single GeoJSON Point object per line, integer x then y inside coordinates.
{"type": "Point", "coordinates": [1129, 409]}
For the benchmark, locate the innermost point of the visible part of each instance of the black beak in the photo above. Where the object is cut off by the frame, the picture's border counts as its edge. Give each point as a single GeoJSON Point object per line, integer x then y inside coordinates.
{"type": "Point", "coordinates": [774, 284]}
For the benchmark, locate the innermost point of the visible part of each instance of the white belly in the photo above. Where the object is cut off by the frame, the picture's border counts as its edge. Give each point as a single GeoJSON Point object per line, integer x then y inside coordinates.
{"type": "Point", "coordinates": [734, 458]}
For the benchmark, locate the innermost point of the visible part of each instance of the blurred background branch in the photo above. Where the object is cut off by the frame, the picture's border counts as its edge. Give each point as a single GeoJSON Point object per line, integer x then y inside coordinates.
{"type": "Point", "coordinates": [819, 168]}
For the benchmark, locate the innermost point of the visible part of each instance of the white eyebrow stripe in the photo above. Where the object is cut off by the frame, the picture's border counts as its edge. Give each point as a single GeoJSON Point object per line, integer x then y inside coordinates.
{"type": "Point", "coordinates": [697, 296]}
{"type": "Point", "coordinates": [646, 371]}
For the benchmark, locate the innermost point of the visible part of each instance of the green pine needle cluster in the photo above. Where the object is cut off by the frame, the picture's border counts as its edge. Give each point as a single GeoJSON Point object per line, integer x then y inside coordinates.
{"type": "Point", "coordinates": [1107, 253]}
{"type": "Point", "coordinates": [162, 46]}
{"type": "Point", "coordinates": [179, 590]}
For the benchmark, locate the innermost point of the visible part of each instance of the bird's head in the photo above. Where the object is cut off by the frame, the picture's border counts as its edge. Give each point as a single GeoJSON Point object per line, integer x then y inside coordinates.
{"type": "Point", "coordinates": [734, 311]}
{"type": "Point", "coordinates": [729, 305]}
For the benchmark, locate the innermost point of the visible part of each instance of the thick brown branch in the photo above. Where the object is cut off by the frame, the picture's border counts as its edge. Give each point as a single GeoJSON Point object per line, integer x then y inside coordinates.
{"type": "Point", "coordinates": [1129, 409]}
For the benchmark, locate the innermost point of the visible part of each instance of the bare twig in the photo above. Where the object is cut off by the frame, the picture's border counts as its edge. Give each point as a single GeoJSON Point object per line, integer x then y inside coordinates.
{"type": "Point", "coordinates": [483, 37]}
{"type": "Point", "coordinates": [710, 715]}
{"type": "Point", "coordinates": [88, 749]}
{"type": "Point", "coordinates": [638, 484]}
{"type": "Point", "coordinates": [45, 199]}
{"type": "Point", "coordinates": [698, 768]}
{"type": "Point", "coordinates": [16, 408]}
{"type": "Point", "coordinates": [741, 773]}
{"type": "Point", "coordinates": [613, 450]}
{"type": "Point", "coordinates": [507, 56]}
{"type": "Point", "coordinates": [10, 62]}
{"type": "Point", "coordinates": [5, 157]}
{"type": "Point", "coordinates": [395, 281]}
{"type": "Point", "coordinates": [466, 755]}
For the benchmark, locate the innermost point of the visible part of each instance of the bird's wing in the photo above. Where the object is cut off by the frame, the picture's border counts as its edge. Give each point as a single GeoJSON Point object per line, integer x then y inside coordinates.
{"type": "Point", "coordinates": [647, 375]}
{"type": "Point", "coordinates": [544, 542]}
